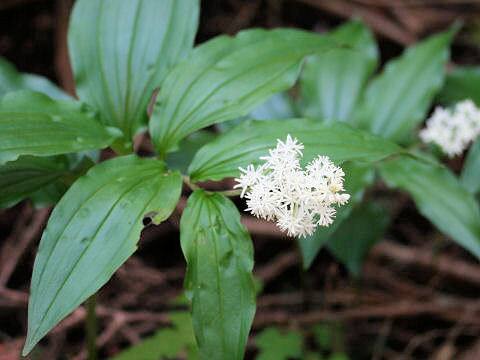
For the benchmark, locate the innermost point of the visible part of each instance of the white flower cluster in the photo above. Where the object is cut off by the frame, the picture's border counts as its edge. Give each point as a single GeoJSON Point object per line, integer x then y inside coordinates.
{"type": "Point", "coordinates": [298, 200]}
{"type": "Point", "coordinates": [453, 129]}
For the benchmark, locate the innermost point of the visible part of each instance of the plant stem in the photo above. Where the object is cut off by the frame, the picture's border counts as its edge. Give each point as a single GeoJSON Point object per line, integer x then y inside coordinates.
{"type": "Point", "coordinates": [230, 193]}
{"type": "Point", "coordinates": [91, 328]}
{"type": "Point", "coordinates": [122, 146]}
{"type": "Point", "coordinates": [193, 187]}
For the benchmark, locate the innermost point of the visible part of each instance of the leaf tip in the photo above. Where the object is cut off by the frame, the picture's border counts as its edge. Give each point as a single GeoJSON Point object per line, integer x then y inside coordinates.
{"type": "Point", "coordinates": [29, 345]}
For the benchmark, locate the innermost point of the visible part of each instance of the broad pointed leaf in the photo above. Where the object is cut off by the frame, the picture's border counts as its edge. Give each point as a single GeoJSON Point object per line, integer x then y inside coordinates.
{"type": "Point", "coordinates": [331, 84]}
{"type": "Point", "coordinates": [34, 124]}
{"type": "Point", "coordinates": [12, 80]}
{"type": "Point", "coordinates": [470, 176]}
{"type": "Point", "coordinates": [219, 281]}
{"type": "Point", "coordinates": [91, 232]}
{"type": "Point", "coordinates": [23, 177]}
{"type": "Point", "coordinates": [397, 100]}
{"type": "Point", "coordinates": [440, 197]}
{"type": "Point", "coordinates": [121, 51]}
{"type": "Point", "coordinates": [244, 145]}
{"type": "Point", "coordinates": [226, 78]}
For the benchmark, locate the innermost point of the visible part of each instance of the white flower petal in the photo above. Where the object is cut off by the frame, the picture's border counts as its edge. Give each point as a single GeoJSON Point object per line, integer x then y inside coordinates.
{"type": "Point", "coordinates": [298, 200]}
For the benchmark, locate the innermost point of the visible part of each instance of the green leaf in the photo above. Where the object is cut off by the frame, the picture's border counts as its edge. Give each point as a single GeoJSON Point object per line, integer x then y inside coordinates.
{"type": "Point", "coordinates": [440, 197]}
{"type": "Point", "coordinates": [324, 337]}
{"type": "Point", "coordinates": [12, 80]}
{"type": "Point", "coordinates": [331, 84]}
{"type": "Point", "coordinates": [397, 100]}
{"type": "Point", "coordinates": [219, 282]}
{"type": "Point", "coordinates": [34, 124]}
{"type": "Point", "coordinates": [23, 177]}
{"type": "Point", "coordinates": [121, 51]}
{"type": "Point", "coordinates": [43, 180]}
{"type": "Point", "coordinates": [273, 345]}
{"type": "Point", "coordinates": [78, 165]}
{"type": "Point", "coordinates": [461, 83]}
{"type": "Point", "coordinates": [357, 234]}
{"type": "Point", "coordinates": [48, 195]}
{"type": "Point", "coordinates": [470, 177]}
{"type": "Point", "coordinates": [357, 177]}
{"type": "Point", "coordinates": [165, 343]}
{"type": "Point", "coordinates": [278, 106]}
{"type": "Point", "coordinates": [226, 78]}
{"type": "Point", "coordinates": [179, 160]}
{"type": "Point", "coordinates": [91, 232]}
{"type": "Point", "coordinates": [244, 145]}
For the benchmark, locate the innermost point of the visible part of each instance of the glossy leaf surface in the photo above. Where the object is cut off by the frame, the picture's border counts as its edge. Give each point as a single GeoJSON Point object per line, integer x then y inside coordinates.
{"type": "Point", "coordinates": [33, 124]}
{"type": "Point", "coordinates": [219, 281]}
{"type": "Point", "coordinates": [91, 232]}
{"type": "Point", "coordinates": [225, 78]}
{"type": "Point", "coordinates": [244, 145]}
{"type": "Point", "coordinates": [121, 51]}
{"type": "Point", "coordinates": [397, 100]}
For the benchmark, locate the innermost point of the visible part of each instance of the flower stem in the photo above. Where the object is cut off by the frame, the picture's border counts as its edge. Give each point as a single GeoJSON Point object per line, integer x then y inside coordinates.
{"type": "Point", "coordinates": [230, 193]}
{"type": "Point", "coordinates": [193, 187]}
{"type": "Point", "coordinates": [189, 183]}
{"type": "Point", "coordinates": [91, 328]}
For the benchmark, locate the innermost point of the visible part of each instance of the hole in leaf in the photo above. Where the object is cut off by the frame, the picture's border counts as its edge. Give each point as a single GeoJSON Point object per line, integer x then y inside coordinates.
{"type": "Point", "coordinates": [148, 218]}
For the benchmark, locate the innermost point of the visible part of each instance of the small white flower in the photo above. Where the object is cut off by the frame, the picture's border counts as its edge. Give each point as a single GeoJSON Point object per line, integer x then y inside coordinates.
{"type": "Point", "coordinates": [453, 129]}
{"type": "Point", "coordinates": [298, 200]}
{"type": "Point", "coordinates": [249, 177]}
{"type": "Point", "coordinates": [296, 221]}
{"type": "Point", "coordinates": [262, 201]}
{"type": "Point", "coordinates": [326, 216]}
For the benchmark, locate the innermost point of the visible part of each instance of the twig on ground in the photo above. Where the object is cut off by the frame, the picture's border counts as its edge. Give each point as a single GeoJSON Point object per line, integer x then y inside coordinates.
{"type": "Point", "coordinates": [455, 268]}
{"type": "Point", "coordinates": [377, 20]}
{"type": "Point", "coordinates": [26, 229]}
{"type": "Point", "coordinates": [278, 265]}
